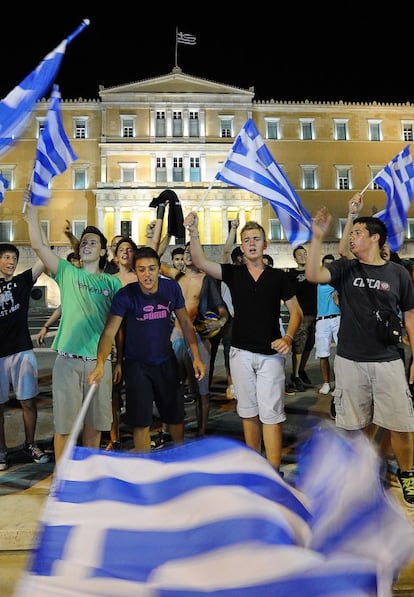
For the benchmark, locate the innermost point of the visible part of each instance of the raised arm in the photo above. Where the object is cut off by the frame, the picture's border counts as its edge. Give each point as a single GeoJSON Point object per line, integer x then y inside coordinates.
{"type": "Point", "coordinates": [44, 252]}
{"type": "Point", "coordinates": [355, 205]}
{"type": "Point", "coordinates": [315, 271]}
{"type": "Point", "coordinates": [230, 241]}
{"type": "Point", "coordinates": [74, 241]}
{"type": "Point", "coordinates": [197, 254]}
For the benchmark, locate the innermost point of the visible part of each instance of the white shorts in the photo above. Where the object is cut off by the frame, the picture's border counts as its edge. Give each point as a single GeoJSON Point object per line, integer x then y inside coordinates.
{"type": "Point", "coordinates": [326, 332]}
{"type": "Point", "coordinates": [372, 393]}
{"type": "Point", "coordinates": [259, 384]}
{"type": "Point", "coordinates": [20, 370]}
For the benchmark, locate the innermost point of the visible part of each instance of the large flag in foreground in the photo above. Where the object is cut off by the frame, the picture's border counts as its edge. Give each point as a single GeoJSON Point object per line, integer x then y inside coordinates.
{"type": "Point", "coordinates": [212, 516]}
{"type": "Point", "coordinates": [17, 106]}
{"type": "Point", "coordinates": [4, 184]}
{"type": "Point", "coordinates": [54, 153]}
{"type": "Point", "coordinates": [251, 166]}
{"type": "Point", "coordinates": [397, 180]}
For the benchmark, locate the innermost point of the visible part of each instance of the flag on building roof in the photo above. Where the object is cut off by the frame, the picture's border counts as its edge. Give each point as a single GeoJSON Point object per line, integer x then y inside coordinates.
{"type": "Point", "coordinates": [213, 516]}
{"type": "Point", "coordinates": [397, 180]}
{"type": "Point", "coordinates": [16, 108]}
{"type": "Point", "coordinates": [4, 184]}
{"type": "Point", "coordinates": [186, 38]}
{"type": "Point", "coordinates": [251, 166]}
{"type": "Point", "coordinates": [54, 153]}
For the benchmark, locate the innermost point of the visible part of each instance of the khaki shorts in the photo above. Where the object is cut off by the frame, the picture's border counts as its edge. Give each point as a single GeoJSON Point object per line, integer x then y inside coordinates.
{"type": "Point", "coordinates": [69, 388]}
{"type": "Point", "coordinates": [372, 393]}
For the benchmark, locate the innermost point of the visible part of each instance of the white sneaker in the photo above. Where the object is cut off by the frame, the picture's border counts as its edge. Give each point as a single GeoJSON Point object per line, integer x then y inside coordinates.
{"type": "Point", "coordinates": [325, 389]}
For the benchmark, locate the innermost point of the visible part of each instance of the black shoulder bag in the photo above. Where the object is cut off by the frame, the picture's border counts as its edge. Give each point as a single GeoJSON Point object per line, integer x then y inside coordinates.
{"type": "Point", "coordinates": [389, 325]}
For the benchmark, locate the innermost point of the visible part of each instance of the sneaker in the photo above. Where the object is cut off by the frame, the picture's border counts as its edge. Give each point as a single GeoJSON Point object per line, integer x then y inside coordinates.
{"type": "Point", "coordinates": [158, 441]}
{"type": "Point", "coordinates": [290, 389]}
{"type": "Point", "coordinates": [190, 398]}
{"type": "Point", "coordinates": [325, 388]}
{"type": "Point", "coordinates": [3, 460]}
{"type": "Point", "coordinates": [298, 384]}
{"type": "Point", "coordinates": [230, 393]}
{"type": "Point", "coordinates": [406, 479]}
{"type": "Point", "coordinates": [35, 453]}
{"type": "Point", "coordinates": [305, 379]}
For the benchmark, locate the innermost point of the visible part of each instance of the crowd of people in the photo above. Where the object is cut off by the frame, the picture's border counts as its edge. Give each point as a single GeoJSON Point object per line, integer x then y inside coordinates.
{"type": "Point", "coordinates": [131, 323]}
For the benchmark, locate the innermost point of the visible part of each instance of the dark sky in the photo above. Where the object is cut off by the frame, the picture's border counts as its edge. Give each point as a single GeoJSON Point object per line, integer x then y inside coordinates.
{"type": "Point", "coordinates": [288, 56]}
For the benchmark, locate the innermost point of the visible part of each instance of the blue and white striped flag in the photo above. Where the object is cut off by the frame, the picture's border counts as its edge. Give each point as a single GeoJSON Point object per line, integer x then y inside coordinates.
{"type": "Point", "coordinates": [212, 516]}
{"type": "Point", "coordinates": [4, 184]}
{"type": "Point", "coordinates": [16, 108]}
{"type": "Point", "coordinates": [397, 180]}
{"type": "Point", "coordinates": [54, 153]}
{"type": "Point", "coordinates": [251, 166]}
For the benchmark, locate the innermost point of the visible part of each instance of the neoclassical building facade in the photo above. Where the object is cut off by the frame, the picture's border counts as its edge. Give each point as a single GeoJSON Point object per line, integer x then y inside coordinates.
{"type": "Point", "coordinates": [175, 131]}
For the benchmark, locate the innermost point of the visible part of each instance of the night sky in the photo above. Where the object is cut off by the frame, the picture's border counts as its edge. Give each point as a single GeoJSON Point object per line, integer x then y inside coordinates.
{"type": "Point", "coordinates": [285, 56]}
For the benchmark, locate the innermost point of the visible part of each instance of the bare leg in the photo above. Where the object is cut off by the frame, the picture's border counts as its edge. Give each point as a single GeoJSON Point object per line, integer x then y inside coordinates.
{"type": "Point", "coordinates": [91, 437]}
{"type": "Point", "coordinates": [142, 439]}
{"type": "Point", "coordinates": [402, 446]}
{"type": "Point", "coordinates": [202, 410]}
{"type": "Point", "coordinates": [252, 429]}
{"type": "Point", "coordinates": [325, 369]}
{"type": "Point", "coordinates": [116, 409]}
{"type": "Point", "coordinates": [177, 433]}
{"type": "Point", "coordinates": [272, 439]}
{"type": "Point", "coordinates": [29, 414]}
{"type": "Point", "coordinates": [59, 445]}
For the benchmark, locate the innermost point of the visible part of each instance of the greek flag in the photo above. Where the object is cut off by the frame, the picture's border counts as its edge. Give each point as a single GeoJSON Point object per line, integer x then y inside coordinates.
{"type": "Point", "coordinates": [54, 153]}
{"type": "Point", "coordinates": [186, 38]}
{"type": "Point", "coordinates": [250, 166]}
{"type": "Point", "coordinates": [16, 108]}
{"type": "Point", "coordinates": [397, 180]}
{"type": "Point", "coordinates": [4, 184]}
{"type": "Point", "coordinates": [212, 516]}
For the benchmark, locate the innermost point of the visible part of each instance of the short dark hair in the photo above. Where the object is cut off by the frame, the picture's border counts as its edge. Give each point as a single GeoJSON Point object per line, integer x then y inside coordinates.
{"type": "Point", "coordinates": [328, 256]}
{"type": "Point", "coordinates": [71, 256]}
{"type": "Point", "coordinates": [269, 259]}
{"type": "Point", "coordinates": [104, 243]}
{"type": "Point", "coordinates": [236, 253]}
{"type": "Point", "coordinates": [177, 251]}
{"type": "Point", "coordinates": [147, 253]}
{"type": "Point", "coordinates": [299, 247]}
{"type": "Point", "coordinates": [126, 239]}
{"type": "Point", "coordinates": [9, 248]}
{"type": "Point", "coordinates": [374, 226]}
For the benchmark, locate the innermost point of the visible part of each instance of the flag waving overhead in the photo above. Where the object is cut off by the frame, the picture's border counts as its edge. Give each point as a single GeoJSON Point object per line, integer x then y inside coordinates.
{"type": "Point", "coordinates": [250, 166]}
{"type": "Point", "coordinates": [397, 180]}
{"type": "Point", "coordinates": [17, 106]}
{"type": "Point", "coordinates": [186, 38]}
{"type": "Point", "coordinates": [4, 184]}
{"type": "Point", "coordinates": [54, 153]}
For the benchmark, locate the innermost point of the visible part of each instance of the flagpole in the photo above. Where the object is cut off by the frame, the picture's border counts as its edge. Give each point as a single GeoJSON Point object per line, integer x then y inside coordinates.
{"type": "Point", "coordinates": [26, 195]}
{"type": "Point", "coordinates": [81, 27]}
{"type": "Point", "coordinates": [176, 44]}
{"type": "Point", "coordinates": [204, 197]}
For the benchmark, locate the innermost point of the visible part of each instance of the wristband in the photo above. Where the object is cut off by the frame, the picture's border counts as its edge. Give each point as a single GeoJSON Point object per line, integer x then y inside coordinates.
{"type": "Point", "coordinates": [160, 211]}
{"type": "Point", "coordinates": [352, 216]}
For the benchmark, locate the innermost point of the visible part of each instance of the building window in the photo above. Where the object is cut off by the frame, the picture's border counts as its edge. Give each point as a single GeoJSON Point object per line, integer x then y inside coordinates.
{"type": "Point", "coordinates": [306, 129]}
{"type": "Point", "coordinates": [161, 170]}
{"type": "Point", "coordinates": [8, 174]}
{"type": "Point", "coordinates": [80, 180]}
{"type": "Point", "coordinates": [341, 226]}
{"type": "Point", "coordinates": [78, 226]}
{"type": "Point", "coordinates": [177, 124]}
{"type": "Point", "coordinates": [275, 230]}
{"type": "Point", "coordinates": [193, 125]}
{"type": "Point", "coordinates": [6, 231]}
{"type": "Point", "coordinates": [128, 127]}
{"type": "Point", "coordinates": [126, 228]}
{"type": "Point", "coordinates": [374, 130]}
{"type": "Point", "coordinates": [160, 125]}
{"type": "Point", "coordinates": [407, 131]}
{"type": "Point", "coordinates": [343, 178]}
{"type": "Point", "coordinates": [178, 171]}
{"type": "Point", "coordinates": [127, 174]}
{"type": "Point", "coordinates": [308, 177]}
{"type": "Point", "coordinates": [272, 128]}
{"type": "Point", "coordinates": [45, 227]}
{"type": "Point", "coordinates": [341, 130]}
{"type": "Point", "coordinates": [410, 228]}
{"type": "Point", "coordinates": [374, 171]}
{"type": "Point", "coordinates": [80, 131]}
{"type": "Point", "coordinates": [195, 173]}
{"type": "Point", "coordinates": [226, 127]}
{"type": "Point", "coordinates": [41, 121]}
